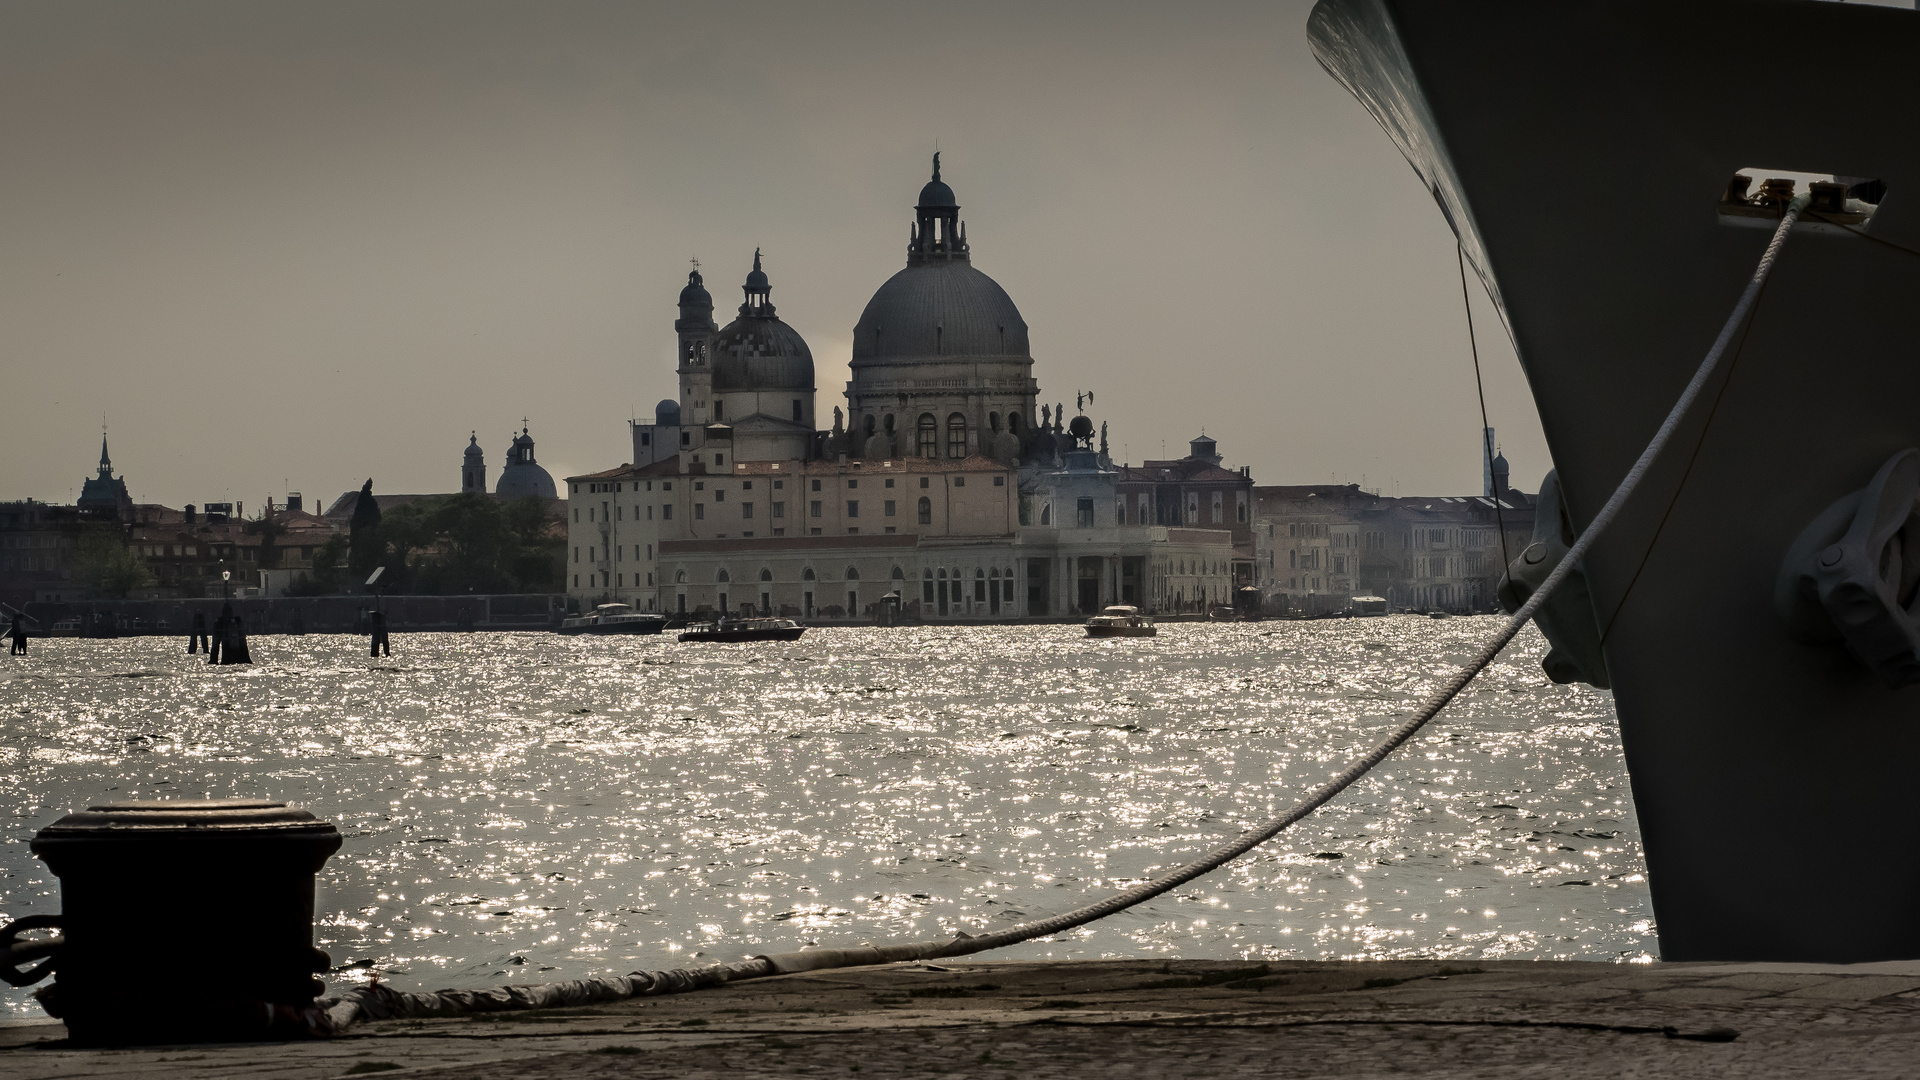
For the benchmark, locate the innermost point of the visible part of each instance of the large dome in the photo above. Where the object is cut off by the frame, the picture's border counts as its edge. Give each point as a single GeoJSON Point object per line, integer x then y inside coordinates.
{"type": "Point", "coordinates": [757, 353]}
{"type": "Point", "coordinates": [939, 309]}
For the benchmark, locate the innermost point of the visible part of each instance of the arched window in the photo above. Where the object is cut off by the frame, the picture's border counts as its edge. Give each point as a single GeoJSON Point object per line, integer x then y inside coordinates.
{"type": "Point", "coordinates": [680, 577]}
{"type": "Point", "coordinates": [928, 441]}
{"type": "Point", "coordinates": [1013, 423]}
{"type": "Point", "coordinates": [993, 422]}
{"type": "Point", "coordinates": [766, 574]}
{"type": "Point", "coordinates": [956, 436]}
{"type": "Point", "coordinates": [899, 574]}
{"type": "Point", "coordinates": [888, 425]}
{"type": "Point", "coordinates": [1046, 514]}
{"type": "Point", "coordinates": [995, 572]}
{"type": "Point", "coordinates": [926, 510]}
{"type": "Point", "coordinates": [870, 425]}
{"type": "Point", "coordinates": [853, 573]}
{"type": "Point", "coordinates": [943, 574]}
{"type": "Point", "coordinates": [723, 576]}
{"type": "Point", "coordinates": [807, 574]}
{"type": "Point", "coordinates": [928, 574]}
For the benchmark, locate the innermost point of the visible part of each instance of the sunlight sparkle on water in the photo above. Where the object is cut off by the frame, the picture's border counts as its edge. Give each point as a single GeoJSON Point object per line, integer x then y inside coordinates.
{"type": "Point", "coordinates": [525, 807]}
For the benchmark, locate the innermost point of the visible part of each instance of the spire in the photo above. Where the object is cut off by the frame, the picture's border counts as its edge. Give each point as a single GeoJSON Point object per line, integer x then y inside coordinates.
{"type": "Point", "coordinates": [106, 463]}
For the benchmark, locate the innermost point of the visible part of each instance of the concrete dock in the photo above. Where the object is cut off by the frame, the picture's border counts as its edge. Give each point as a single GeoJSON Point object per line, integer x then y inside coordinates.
{"type": "Point", "coordinates": [1126, 1018]}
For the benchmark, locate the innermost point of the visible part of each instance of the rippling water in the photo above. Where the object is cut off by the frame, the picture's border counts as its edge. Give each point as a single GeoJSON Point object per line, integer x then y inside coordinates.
{"type": "Point", "coordinates": [524, 807]}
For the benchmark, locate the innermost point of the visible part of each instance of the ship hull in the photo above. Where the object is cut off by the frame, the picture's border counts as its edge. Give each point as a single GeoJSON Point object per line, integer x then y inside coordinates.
{"type": "Point", "coordinates": [1579, 152]}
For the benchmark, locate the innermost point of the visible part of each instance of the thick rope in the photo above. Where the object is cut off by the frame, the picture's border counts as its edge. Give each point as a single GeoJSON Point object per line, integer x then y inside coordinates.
{"type": "Point", "coordinates": [382, 1003]}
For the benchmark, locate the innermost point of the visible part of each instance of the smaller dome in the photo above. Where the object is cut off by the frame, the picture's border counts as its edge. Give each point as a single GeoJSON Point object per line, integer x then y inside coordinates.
{"type": "Point", "coordinates": [667, 413]}
{"type": "Point", "coordinates": [1082, 427]}
{"type": "Point", "coordinates": [756, 278]}
{"type": "Point", "coordinates": [473, 447]}
{"type": "Point", "coordinates": [936, 193]}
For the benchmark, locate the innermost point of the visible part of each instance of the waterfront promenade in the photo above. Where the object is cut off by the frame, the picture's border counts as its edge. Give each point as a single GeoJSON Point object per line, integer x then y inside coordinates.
{"type": "Point", "coordinates": [1127, 1018]}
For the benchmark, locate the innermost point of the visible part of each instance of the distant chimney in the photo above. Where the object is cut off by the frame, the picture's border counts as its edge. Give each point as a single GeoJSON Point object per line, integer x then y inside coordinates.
{"type": "Point", "coordinates": [189, 513]}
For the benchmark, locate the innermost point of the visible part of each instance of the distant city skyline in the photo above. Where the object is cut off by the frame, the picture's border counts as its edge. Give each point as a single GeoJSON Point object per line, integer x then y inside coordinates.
{"type": "Point", "coordinates": [297, 247]}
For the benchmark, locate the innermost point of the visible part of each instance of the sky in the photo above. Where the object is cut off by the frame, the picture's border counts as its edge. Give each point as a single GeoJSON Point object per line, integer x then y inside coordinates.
{"type": "Point", "coordinates": [294, 246]}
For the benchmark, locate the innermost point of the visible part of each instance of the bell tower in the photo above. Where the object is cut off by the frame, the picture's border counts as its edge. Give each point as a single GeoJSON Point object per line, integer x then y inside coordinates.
{"type": "Point", "coordinates": [473, 467]}
{"type": "Point", "coordinates": [695, 329]}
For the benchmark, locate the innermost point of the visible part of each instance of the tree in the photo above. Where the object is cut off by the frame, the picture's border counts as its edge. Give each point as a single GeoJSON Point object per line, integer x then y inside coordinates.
{"type": "Point", "coordinates": [108, 565]}
{"type": "Point", "coordinates": [329, 569]}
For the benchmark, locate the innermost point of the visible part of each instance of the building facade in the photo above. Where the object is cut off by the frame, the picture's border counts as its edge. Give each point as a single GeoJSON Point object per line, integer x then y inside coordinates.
{"type": "Point", "coordinates": [937, 490]}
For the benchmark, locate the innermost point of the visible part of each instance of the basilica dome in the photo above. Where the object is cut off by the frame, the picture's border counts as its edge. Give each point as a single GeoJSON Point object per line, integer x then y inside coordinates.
{"type": "Point", "coordinates": [758, 352]}
{"type": "Point", "coordinates": [939, 309]}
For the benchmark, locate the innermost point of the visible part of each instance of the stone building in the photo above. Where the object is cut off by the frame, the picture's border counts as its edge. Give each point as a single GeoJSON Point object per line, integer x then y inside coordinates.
{"type": "Point", "coordinates": [1323, 544]}
{"type": "Point", "coordinates": [938, 488]}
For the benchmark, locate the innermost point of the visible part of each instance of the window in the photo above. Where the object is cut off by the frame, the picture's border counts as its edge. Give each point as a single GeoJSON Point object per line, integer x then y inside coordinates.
{"type": "Point", "coordinates": [926, 587]}
{"type": "Point", "coordinates": [680, 577]}
{"type": "Point", "coordinates": [853, 573]}
{"type": "Point", "coordinates": [1083, 514]}
{"type": "Point", "coordinates": [746, 510]}
{"type": "Point", "coordinates": [666, 485]}
{"type": "Point", "coordinates": [779, 485]}
{"type": "Point", "coordinates": [746, 485]}
{"type": "Point", "coordinates": [1120, 511]}
{"type": "Point", "coordinates": [928, 437]}
{"type": "Point", "coordinates": [765, 574]}
{"type": "Point", "coordinates": [853, 508]}
{"type": "Point", "coordinates": [699, 511]}
{"type": "Point", "coordinates": [576, 554]}
{"type": "Point", "coordinates": [807, 574]}
{"type": "Point", "coordinates": [924, 482]}
{"type": "Point", "coordinates": [796, 410]}
{"type": "Point", "coordinates": [999, 481]}
{"type": "Point", "coordinates": [959, 481]}
{"type": "Point", "coordinates": [723, 577]}
{"type": "Point", "coordinates": [980, 586]}
{"type": "Point", "coordinates": [956, 436]}
{"type": "Point", "coordinates": [815, 508]}
{"type": "Point", "coordinates": [576, 510]}
{"type": "Point", "coordinates": [851, 484]}
{"type": "Point", "coordinates": [699, 485]}
{"type": "Point", "coordinates": [889, 481]}
{"type": "Point", "coordinates": [926, 510]}
{"type": "Point", "coordinates": [719, 408]}
{"type": "Point", "coordinates": [686, 439]}
{"type": "Point", "coordinates": [719, 495]}
{"type": "Point", "coordinates": [649, 513]}
{"type": "Point", "coordinates": [779, 509]}
{"type": "Point", "coordinates": [888, 509]}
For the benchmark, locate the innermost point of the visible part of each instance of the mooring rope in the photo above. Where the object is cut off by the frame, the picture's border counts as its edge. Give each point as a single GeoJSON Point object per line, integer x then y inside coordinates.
{"type": "Point", "coordinates": [380, 1002]}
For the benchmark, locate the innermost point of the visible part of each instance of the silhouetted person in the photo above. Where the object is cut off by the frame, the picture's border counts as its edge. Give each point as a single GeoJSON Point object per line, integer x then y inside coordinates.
{"type": "Point", "coordinates": [378, 621]}
{"type": "Point", "coordinates": [18, 634]}
{"type": "Point", "coordinates": [197, 639]}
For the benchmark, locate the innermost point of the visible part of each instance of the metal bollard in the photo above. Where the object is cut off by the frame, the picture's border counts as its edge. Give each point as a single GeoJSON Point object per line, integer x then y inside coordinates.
{"type": "Point", "coordinates": [215, 895]}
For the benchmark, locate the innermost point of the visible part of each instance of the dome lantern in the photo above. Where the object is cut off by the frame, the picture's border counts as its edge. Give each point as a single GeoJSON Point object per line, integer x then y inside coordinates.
{"type": "Point", "coordinates": [758, 291]}
{"type": "Point", "coordinates": [938, 234]}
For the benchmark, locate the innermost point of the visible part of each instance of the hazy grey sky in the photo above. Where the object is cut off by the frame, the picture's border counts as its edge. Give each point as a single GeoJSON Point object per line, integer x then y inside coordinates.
{"type": "Point", "coordinates": [296, 245]}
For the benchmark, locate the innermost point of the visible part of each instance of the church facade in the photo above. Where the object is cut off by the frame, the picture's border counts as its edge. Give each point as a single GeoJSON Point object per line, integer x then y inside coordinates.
{"type": "Point", "coordinates": [944, 486]}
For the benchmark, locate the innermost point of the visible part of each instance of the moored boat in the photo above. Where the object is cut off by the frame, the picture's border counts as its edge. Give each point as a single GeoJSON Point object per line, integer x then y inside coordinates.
{"type": "Point", "coordinates": [1121, 620]}
{"type": "Point", "coordinates": [744, 630]}
{"type": "Point", "coordinates": [613, 619]}
{"type": "Point", "coordinates": [1751, 606]}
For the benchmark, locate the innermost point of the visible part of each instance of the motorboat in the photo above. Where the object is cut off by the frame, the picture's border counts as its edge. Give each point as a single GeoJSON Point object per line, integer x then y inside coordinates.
{"type": "Point", "coordinates": [1369, 605]}
{"type": "Point", "coordinates": [1121, 620]}
{"type": "Point", "coordinates": [1613, 171]}
{"type": "Point", "coordinates": [774, 629]}
{"type": "Point", "coordinates": [613, 619]}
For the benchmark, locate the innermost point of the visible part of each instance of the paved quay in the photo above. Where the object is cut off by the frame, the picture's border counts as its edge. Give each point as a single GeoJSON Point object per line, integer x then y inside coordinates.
{"type": "Point", "coordinates": [1127, 1018]}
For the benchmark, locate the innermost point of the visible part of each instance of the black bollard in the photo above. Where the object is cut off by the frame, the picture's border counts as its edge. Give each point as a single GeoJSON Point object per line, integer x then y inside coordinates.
{"type": "Point", "coordinates": [197, 640]}
{"type": "Point", "coordinates": [235, 651]}
{"type": "Point", "coordinates": [379, 645]}
{"type": "Point", "coordinates": [225, 885]}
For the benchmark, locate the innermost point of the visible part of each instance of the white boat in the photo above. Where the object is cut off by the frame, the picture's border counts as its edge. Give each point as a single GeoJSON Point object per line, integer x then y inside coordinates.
{"type": "Point", "coordinates": [1613, 170]}
{"type": "Point", "coordinates": [613, 619]}
{"type": "Point", "coordinates": [1121, 620]}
